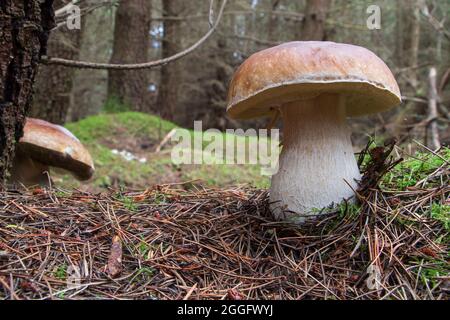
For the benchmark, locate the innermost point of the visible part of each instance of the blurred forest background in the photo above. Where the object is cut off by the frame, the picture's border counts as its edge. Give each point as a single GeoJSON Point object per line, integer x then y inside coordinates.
{"type": "Point", "coordinates": [414, 40]}
{"type": "Point", "coordinates": [414, 37]}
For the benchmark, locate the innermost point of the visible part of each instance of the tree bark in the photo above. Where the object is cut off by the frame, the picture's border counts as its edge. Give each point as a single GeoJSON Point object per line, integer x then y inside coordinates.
{"type": "Point", "coordinates": [52, 97]}
{"type": "Point", "coordinates": [168, 87]}
{"type": "Point", "coordinates": [131, 45]}
{"type": "Point", "coordinates": [24, 30]}
{"type": "Point", "coordinates": [314, 22]}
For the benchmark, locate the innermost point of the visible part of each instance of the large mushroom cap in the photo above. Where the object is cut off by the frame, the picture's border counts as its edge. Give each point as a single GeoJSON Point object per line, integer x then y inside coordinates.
{"type": "Point", "coordinates": [305, 69]}
{"type": "Point", "coordinates": [56, 146]}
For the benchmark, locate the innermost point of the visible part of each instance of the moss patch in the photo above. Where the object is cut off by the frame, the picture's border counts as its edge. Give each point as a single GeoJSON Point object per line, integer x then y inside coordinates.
{"type": "Point", "coordinates": [139, 134]}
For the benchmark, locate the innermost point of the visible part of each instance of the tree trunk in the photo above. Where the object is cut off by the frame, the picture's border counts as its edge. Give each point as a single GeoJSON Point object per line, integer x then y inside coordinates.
{"type": "Point", "coordinates": [415, 42]}
{"type": "Point", "coordinates": [399, 34]}
{"type": "Point", "coordinates": [168, 87]}
{"type": "Point", "coordinates": [314, 22]}
{"type": "Point", "coordinates": [272, 20]}
{"type": "Point", "coordinates": [24, 29]}
{"type": "Point", "coordinates": [52, 97]}
{"type": "Point", "coordinates": [90, 88]}
{"type": "Point", "coordinates": [131, 45]}
{"type": "Point", "coordinates": [407, 42]}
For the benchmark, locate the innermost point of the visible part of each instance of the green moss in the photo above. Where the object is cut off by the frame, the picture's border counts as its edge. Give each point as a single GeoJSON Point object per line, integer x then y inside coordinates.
{"type": "Point", "coordinates": [143, 249]}
{"type": "Point", "coordinates": [103, 125]}
{"type": "Point", "coordinates": [128, 203]}
{"type": "Point", "coordinates": [441, 212]}
{"type": "Point", "coordinates": [432, 269]}
{"type": "Point", "coordinates": [61, 272]}
{"type": "Point", "coordinates": [143, 275]}
{"type": "Point", "coordinates": [113, 105]}
{"type": "Point", "coordinates": [103, 132]}
{"type": "Point", "coordinates": [414, 169]}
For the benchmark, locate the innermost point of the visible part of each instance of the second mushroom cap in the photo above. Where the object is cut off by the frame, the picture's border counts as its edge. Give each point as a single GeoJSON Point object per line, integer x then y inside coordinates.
{"type": "Point", "coordinates": [55, 146]}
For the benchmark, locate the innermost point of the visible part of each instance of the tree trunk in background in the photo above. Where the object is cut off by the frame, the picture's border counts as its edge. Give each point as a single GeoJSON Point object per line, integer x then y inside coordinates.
{"type": "Point", "coordinates": [314, 22]}
{"type": "Point", "coordinates": [131, 45]}
{"type": "Point", "coordinates": [272, 20]}
{"type": "Point", "coordinates": [399, 34]}
{"type": "Point", "coordinates": [53, 86]}
{"type": "Point", "coordinates": [415, 41]}
{"type": "Point", "coordinates": [408, 38]}
{"type": "Point", "coordinates": [24, 28]}
{"type": "Point", "coordinates": [89, 91]}
{"type": "Point", "coordinates": [168, 86]}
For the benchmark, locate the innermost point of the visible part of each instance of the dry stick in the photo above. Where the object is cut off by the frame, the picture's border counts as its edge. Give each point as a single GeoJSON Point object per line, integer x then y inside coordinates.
{"type": "Point", "coordinates": [432, 129]}
{"type": "Point", "coordinates": [136, 66]}
{"type": "Point", "coordinates": [414, 99]}
{"type": "Point", "coordinates": [165, 140]}
{"type": "Point", "coordinates": [189, 293]}
{"type": "Point", "coordinates": [211, 13]}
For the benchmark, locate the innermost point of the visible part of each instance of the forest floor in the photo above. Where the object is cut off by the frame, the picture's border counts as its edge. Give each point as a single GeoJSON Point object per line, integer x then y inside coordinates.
{"type": "Point", "coordinates": [191, 241]}
{"type": "Point", "coordinates": [123, 146]}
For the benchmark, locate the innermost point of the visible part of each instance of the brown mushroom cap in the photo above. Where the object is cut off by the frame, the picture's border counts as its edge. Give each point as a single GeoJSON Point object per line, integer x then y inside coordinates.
{"type": "Point", "coordinates": [56, 146]}
{"type": "Point", "coordinates": [305, 69]}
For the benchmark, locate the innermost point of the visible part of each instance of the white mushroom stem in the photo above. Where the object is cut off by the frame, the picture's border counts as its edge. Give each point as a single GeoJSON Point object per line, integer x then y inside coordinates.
{"type": "Point", "coordinates": [317, 163]}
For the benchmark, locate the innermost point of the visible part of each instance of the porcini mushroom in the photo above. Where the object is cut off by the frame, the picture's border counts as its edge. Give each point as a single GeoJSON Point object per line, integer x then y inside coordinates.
{"type": "Point", "coordinates": [315, 85]}
{"type": "Point", "coordinates": [45, 145]}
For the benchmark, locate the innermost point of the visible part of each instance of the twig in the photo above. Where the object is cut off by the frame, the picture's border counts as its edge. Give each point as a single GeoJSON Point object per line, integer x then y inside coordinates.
{"type": "Point", "coordinates": [165, 140]}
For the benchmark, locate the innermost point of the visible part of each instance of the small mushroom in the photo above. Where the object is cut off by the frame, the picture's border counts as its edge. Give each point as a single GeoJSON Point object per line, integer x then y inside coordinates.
{"type": "Point", "coordinates": [315, 85]}
{"type": "Point", "coordinates": [46, 145]}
